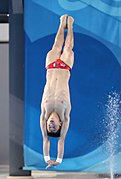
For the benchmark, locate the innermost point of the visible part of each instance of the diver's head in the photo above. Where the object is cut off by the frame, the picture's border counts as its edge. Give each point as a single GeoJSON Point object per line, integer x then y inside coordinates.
{"type": "Point", "coordinates": [53, 125]}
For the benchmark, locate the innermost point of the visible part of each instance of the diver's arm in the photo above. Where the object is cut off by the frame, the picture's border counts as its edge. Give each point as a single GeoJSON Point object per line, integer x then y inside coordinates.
{"type": "Point", "coordinates": [46, 141]}
{"type": "Point", "coordinates": [61, 140]}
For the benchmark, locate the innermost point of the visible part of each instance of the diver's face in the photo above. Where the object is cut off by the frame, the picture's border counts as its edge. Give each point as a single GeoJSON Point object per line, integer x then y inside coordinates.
{"type": "Point", "coordinates": [53, 123]}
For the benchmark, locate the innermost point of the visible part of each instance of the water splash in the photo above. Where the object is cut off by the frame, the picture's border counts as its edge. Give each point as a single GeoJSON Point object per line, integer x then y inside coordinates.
{"type": "Point", "coordinates": [112, 121]}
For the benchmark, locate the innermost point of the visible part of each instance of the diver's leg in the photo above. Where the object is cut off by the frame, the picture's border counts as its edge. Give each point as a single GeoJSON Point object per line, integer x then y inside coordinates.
{"type": "Point", "coordinates": [69, 42]}
{"type": "Point", "coordinates": [68, 55]}
{"type": "Point", "coordinates": [59, 39]}
{"type": "Point", "coordinates": [56, 50]}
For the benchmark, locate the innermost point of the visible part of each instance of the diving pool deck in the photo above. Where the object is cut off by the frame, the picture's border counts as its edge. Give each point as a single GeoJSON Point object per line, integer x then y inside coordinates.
{"type": "Point", "coordinates": [4, 174]}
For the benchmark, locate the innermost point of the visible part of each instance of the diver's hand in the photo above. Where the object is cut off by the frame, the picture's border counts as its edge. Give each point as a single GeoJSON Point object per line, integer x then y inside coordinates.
{"type": "Point", "coordinates": [52, 163]}
{"type": "Point", "coordinates": [56, 163]}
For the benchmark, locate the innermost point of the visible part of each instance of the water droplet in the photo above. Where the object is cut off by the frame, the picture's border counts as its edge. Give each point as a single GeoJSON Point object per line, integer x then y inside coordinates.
{"type": "Point", "coordinates": [112, 122]}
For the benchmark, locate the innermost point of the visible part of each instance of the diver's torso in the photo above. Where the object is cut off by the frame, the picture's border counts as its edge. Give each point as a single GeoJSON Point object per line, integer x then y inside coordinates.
{"type": "Point", "coordinates": [56, 96]}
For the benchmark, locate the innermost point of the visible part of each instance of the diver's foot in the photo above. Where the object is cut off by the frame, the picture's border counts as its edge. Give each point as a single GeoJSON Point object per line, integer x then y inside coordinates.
{"type": "Point", "coordinates": [70, 21]}
{"type": "Point", "coordinates": [63, 21]}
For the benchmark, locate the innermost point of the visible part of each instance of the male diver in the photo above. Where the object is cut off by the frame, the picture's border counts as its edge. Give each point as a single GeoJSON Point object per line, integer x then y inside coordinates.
{"type": "Point", "coordinates": [56, 105]}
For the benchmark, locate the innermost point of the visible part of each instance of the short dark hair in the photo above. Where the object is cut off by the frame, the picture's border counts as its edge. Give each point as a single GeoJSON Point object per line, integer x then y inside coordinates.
{"type": "Point", "coordinates": [54, 134]}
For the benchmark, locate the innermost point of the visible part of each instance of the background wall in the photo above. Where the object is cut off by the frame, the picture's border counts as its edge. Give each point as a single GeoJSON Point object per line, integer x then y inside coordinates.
{"type": "Point", "coordinates": [4, 94]}
{"type": "Point", "coordinates": [97, 67]}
